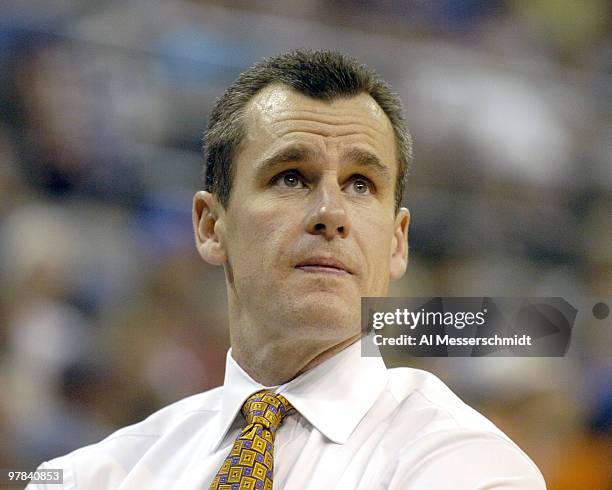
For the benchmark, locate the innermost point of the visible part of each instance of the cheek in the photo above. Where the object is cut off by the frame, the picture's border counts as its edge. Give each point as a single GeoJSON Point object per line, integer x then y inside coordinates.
{"type": "Point", "coordinates": [256, 244]}
{"type": "Point", "coordinates": [376, 244]}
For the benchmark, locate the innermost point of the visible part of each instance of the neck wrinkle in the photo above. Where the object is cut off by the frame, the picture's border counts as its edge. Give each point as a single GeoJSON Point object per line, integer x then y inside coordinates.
{"type": "Point", "coordinates": [268, 371]}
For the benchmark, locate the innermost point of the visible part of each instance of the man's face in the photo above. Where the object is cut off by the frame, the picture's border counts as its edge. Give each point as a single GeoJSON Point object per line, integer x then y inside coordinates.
{"type": "Point", "coordinates": [310, 227]}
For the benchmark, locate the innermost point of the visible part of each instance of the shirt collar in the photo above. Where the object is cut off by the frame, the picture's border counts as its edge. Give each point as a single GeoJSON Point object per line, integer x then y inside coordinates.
{"type": "Point", "coordinates": [333, 396]}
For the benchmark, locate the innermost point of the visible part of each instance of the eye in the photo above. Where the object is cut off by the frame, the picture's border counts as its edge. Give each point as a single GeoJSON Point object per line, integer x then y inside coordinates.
{"type": "Point", "coordinates": [361, 185]}
{"type": "Point", "coordinates": [290, 178]}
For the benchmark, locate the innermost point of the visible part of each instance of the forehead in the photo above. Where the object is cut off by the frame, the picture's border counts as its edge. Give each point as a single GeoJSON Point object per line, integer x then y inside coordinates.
{"type": "Point", "coordinates": [278, 114]}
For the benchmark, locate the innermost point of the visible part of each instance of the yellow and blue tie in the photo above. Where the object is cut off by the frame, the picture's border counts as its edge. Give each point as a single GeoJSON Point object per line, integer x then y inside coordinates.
{"type": "Point", "coordinates": [250, 463]}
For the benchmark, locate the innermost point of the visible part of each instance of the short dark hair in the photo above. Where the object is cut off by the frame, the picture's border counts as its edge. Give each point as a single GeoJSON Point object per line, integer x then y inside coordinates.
{"type": "Point", "coordinates": [322, 75]}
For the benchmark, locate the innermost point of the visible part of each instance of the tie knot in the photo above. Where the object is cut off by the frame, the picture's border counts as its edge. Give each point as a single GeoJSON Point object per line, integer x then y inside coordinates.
{"type": "Point", "coordinates": [266, 408]}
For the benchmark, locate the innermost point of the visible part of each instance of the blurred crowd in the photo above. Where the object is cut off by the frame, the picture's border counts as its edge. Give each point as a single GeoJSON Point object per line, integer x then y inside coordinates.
{"type": "Point", "coordinates": [106, 311]}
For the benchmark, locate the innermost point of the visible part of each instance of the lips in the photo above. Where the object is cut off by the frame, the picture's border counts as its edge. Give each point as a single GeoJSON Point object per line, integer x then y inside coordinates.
{"type": "Point", "coordinates": [328, 265]}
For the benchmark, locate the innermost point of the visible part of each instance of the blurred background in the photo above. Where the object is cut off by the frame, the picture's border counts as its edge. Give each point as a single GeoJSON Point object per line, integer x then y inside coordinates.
{"type": "Point", "coordinates": [106, 311]}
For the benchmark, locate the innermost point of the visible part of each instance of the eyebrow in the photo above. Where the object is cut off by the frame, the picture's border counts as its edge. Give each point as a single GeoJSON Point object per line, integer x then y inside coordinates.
{"type": "Point", "coordinates": [366, 159]}
{"type": "Point", "coordinates": [298, 153]}
{"type": "Point", "coordinates": [285, 155]}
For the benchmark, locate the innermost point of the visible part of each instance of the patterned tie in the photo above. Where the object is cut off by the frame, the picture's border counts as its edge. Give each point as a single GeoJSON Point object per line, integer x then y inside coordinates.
{"type": "Point", "coordinates": [249, 465]}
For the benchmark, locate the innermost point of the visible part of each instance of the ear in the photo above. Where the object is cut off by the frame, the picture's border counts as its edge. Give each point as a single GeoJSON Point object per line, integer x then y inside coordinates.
{"type": "Point", "coordinates": [208, 227]}
{"type": "Point", "coordinates": [399, 245]}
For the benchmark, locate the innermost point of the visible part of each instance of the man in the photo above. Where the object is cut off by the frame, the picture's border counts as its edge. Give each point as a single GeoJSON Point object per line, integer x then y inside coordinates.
{"type": "Point", "coordinates": [306, 158]}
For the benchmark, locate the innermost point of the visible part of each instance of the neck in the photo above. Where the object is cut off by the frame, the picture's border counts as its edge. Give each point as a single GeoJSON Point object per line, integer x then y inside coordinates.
{"type": "Point", "coordinates": [280, 362]}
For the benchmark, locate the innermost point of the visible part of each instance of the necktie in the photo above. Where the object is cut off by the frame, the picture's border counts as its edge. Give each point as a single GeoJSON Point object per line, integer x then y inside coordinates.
{"type": "Point", "coordinates": [249, 465]}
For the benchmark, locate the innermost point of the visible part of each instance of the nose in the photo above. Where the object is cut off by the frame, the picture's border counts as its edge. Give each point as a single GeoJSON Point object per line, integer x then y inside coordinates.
{"type": "Point", "coordinates": [328, 217]}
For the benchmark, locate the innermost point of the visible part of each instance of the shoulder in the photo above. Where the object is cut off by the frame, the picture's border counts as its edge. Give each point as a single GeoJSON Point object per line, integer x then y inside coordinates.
{"type": "Point", "coordinates": [425, 395]}
{"type": "Point", "coordinates": [113, 457]}
{"type": "Point", "coordinates": [445, 436]}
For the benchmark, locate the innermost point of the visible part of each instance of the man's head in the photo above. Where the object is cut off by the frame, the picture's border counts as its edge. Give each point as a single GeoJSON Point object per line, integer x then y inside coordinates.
{"type": "Point", "coordinates": [312, 221]}
{"type": "Point", "coordinates": [323, 75]}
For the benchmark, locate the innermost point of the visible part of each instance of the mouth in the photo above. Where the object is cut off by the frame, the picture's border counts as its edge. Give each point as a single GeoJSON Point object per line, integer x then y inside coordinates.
{"type": "Point", "coordinates": [324, 265]}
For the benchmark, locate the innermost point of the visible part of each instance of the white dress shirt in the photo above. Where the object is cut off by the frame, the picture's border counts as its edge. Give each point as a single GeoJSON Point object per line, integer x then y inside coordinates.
{"type": "Point", "coordinates": [358, 426]}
